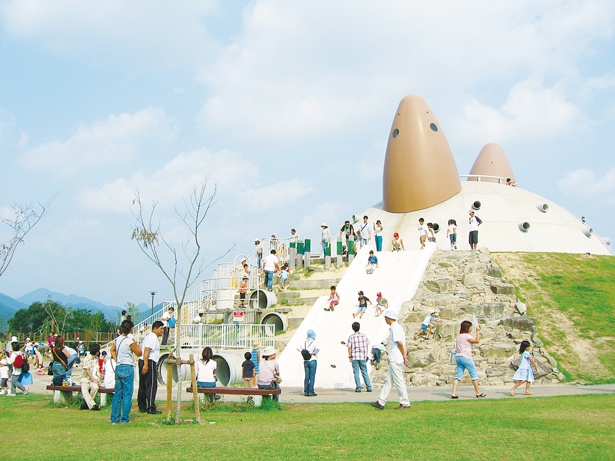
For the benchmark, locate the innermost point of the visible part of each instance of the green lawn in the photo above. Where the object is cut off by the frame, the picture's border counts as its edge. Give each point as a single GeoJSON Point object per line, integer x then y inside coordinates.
{"type": "Point", "coordinates": [582, 288]}
{"type": "Point", "coordinates": [579, 427]}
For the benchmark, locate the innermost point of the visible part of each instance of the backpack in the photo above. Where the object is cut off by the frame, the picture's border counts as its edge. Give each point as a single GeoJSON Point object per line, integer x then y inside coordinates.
{"type": "Point", "coordinates": [307, 355]}
{"type": "Point", "coordinates": [172, 322]}
{"type": "Point", "coordinates": [25, 368]}
{"type": "Point", "coordinates": [19, 361]}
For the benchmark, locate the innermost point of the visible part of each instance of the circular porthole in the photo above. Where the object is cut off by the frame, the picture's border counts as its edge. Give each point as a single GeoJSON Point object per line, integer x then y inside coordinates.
{"type": "Point", "coordinates": [433, 127]}
{"type": "Point", "coordinates": [395, 132]}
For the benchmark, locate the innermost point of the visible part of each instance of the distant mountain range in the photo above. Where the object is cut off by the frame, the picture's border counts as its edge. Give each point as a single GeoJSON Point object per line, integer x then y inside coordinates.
{"type": "Point", "coordinates": [8, 305]}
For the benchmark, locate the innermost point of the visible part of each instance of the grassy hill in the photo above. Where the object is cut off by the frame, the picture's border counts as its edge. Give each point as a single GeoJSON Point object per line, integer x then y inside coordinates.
{"type": "Point", "coordinates": [573, 298]}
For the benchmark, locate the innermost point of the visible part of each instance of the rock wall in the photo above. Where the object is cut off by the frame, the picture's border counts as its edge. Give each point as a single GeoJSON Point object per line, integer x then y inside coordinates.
{"type": "Point", "coordinates": [458, 284]}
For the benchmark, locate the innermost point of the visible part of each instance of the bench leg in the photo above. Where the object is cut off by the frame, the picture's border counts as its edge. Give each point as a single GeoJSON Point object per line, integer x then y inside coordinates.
{"type": "Point", "coordinates": [257, 400]}
{"type": "Point", "coordinates": [103, 399]}
{"type": "Point", "coordinates": [62, 397]}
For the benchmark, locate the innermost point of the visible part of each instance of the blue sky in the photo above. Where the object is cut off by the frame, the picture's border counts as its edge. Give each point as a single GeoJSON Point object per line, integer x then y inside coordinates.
{"type": "Point", "coordinates": [288, 105]}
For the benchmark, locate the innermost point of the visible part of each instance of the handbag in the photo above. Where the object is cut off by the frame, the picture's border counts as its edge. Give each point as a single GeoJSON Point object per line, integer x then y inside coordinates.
{"type": "Point", "coordinates": [276, 378]}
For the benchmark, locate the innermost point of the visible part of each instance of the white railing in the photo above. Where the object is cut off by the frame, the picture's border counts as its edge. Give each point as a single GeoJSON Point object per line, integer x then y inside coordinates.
{"type": "Point", "coordinates": [480, 177]}
{"type": "Point", "coordinates": [226, 336]}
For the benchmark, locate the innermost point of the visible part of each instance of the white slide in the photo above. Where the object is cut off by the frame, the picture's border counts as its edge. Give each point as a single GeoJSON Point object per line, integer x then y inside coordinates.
{"type": "Point", "coordinates": [397, 277]}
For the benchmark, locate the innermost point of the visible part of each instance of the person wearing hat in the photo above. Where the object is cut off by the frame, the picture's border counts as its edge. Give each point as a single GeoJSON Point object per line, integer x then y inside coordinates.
{"type": "Point", "coordinates": [426, 325]}
{"type": "Point", "coordinates": [397, 242]}
{"type": "Point", "coordinates": [397, 359]}
{"type": "Point", "coordinates": [4, 377]}
{"type": "Point", "coordinates": [259, 252]}
{"type": "Point", "coordinates": [381, 304]}
{"type": "Point", "coordinates": [474, 222]}
{"type": "Point", "coordinates": [269, 371]}
{"type": "Point", "coordinates": [325, 238]}
{"type": "Point", "coordinates": [309, 350]}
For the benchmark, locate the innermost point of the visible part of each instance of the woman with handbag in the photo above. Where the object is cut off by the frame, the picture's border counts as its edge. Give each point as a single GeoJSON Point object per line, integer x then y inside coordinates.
{"type": "Point", "coordinates": [60, 361]}
{"type": "Point", "coordinates": [269, 371]}
{"type": "Point", "coordinates": [122, 351]}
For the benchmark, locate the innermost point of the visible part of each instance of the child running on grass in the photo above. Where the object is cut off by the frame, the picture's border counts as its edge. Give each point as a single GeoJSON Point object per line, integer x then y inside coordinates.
{"type": "Point", "coordinates": [524, 373]}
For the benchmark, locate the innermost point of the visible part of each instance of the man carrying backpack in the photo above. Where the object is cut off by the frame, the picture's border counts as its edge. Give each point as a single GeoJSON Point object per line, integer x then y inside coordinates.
{"type": "Point", "coordinates": [16, 359]}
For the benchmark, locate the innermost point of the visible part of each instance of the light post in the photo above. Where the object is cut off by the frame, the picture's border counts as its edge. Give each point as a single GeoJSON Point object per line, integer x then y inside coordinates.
{"type": "Point", "coordinates": [153, 293]}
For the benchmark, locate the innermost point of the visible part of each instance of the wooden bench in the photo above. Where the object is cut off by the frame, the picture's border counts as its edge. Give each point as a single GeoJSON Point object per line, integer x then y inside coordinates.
{"type": "Point", "coordinates": [62, 394]}
{"type": "Point", "coordinates": [255, 391]}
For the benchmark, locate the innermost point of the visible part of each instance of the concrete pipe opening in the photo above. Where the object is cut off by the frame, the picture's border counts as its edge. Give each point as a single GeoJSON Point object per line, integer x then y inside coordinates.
{"type": "Point", "coordinates": [436, 227]}
{"type": "Point", "coordinates": [476, 205]}
{"type": "Point", "coordinates": [262, 299]}
{"type": "Point", "coordinates": [524, 226]}
{"type": "Point", "coordinates": [588, 232]}
{"type": "Point", "coordinates": [280, 321]}
{"type": "Point", "coordinates": [228, 368]}
{"type": "Point", "coordinates": [543, 207]}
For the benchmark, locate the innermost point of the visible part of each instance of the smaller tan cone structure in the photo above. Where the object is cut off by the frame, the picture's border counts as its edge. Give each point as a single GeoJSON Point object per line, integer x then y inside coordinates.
{"type": "Point", "coordinates": [492, 161]}
{"type": "Point", "coordinates": [419, 168]}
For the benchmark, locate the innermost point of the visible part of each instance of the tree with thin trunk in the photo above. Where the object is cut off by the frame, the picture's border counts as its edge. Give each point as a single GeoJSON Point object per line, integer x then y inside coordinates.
{"type": "Point", "coordinates": [20, 219]}
{"type": "Point", "coordinates": [181, 268]}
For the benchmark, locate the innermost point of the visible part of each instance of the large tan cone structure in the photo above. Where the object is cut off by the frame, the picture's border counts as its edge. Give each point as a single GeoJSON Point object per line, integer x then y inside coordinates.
{"type": "Point", "coordinates": [419, 168]}
{"type": "Point", "coordinates": [492, 161]}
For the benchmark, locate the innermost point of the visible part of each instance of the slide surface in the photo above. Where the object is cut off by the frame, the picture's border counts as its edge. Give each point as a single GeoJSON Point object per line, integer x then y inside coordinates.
{"type": "Point", "coordinates": [397, 277]}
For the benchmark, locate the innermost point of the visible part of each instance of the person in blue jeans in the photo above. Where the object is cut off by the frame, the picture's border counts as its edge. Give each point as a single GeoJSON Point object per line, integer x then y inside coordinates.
{"type": "Point", "coordinates": [311, 364]}
{"type": "Point", "coordinates": [358, 348]}
{"type": "Point", "coordinates": [122, 351]}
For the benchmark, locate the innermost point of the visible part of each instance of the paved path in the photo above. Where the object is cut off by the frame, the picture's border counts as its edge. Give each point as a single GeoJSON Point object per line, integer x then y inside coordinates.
{"type": "Point", "coordinates": [416, 394]}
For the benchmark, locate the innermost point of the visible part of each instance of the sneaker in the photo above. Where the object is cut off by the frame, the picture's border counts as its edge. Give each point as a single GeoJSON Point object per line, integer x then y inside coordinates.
{"type": "Point", "coordinates": [357, 390]}
{"type": "Point", "coordinates": [25, 392]}
{"type": "Point", "coordinates": [10, 395]}
{"type": "Point", "coordinates": [369, 390]}
{"type": "Point", "coordinates": [2, 392]}
{"type": "Point", "coordinates": [403, 407]}
{"type": "Point", "coordinates": [377, 404]}
{"type": "Point", "coordinates": [154, 412]}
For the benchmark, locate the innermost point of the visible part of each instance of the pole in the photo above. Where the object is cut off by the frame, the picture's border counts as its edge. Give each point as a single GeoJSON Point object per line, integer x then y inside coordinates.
{"type": "Point", "coordinates": [152, 293]}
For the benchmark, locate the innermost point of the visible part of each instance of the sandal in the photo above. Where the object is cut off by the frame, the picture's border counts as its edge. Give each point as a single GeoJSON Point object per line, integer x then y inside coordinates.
{"type": "Point", "coordinates": [482, 394]}
{"type": "Point", "coordinates": [454, 396]}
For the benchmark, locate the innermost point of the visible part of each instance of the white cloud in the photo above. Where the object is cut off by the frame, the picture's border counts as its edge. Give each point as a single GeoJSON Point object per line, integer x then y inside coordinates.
{"type": "Point", "coordinates": [584, 183]}
{"type": "Point", "coordinates": [530, 111]}
{"type": "Point", "coordinates": [239, 183]}
{"type": "Point", "coordinates": [160, 33]}
{"type": "Point", "coordinates": [114, 141]}
{"type": "Point", "coordinates": [294, 73]}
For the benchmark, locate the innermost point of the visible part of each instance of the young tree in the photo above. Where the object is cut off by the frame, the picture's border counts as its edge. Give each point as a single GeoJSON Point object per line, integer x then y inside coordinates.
{"type": "Point", "coordinates": [133, 311]}
{"type": "Point", "coordinates": [20, 219]}
{"type": "Point", "coordinates": [180, 268]}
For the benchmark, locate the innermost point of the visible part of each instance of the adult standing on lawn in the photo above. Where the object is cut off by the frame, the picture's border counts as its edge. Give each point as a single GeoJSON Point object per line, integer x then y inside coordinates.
{"type": "Point", "coordinates": [358, 348]}
{"type": "Point", "coordinates": [397, 359]}
{"type": "Point", "coordinates": [121, 350]}
{"type": "Point", "coordinates": [148, 370]}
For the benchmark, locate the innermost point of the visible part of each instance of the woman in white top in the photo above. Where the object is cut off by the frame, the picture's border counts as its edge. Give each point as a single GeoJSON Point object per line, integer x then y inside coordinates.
{"type": "Point", "coordinates": [206, 371]}
{"type": "Point", "coordinates": [122, 351]}
{"type": "Point", "coordinates": [269, 371]}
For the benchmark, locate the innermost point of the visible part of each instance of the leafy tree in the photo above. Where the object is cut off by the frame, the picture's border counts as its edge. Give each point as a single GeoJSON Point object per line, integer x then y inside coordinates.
{"type": "Point", "coordinates": [133, 311]}
{"type": "Point", "coordinates": [20, 219]}
{"type": "Point", "coordinates": [180, 268]}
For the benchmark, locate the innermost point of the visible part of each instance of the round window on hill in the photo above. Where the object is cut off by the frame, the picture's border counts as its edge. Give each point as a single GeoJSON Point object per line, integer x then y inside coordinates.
{"type": "Point", "coordinates": [433, 127]}
{"type": "Point", "coordinates": [395, 132]}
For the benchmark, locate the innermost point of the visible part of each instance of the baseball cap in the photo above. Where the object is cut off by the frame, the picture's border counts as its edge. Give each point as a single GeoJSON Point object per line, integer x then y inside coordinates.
{"type": "Point", "coordinates": [378, 295]}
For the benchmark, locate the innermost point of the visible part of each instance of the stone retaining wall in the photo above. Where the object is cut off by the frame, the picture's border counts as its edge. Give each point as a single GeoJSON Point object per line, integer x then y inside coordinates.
{"type": "Point", "coordinates": [458, 284]}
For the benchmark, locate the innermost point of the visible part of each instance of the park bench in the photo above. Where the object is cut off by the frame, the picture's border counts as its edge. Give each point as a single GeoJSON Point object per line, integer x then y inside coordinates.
{"type": "Point", "coordinates": [255, 391]}
{"type": "Point", "coordinates": [62, 394]}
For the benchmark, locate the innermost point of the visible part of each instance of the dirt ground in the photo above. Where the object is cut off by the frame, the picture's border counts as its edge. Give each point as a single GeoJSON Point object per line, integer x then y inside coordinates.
{"type": "Point", "coordinates": [577, 355]}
